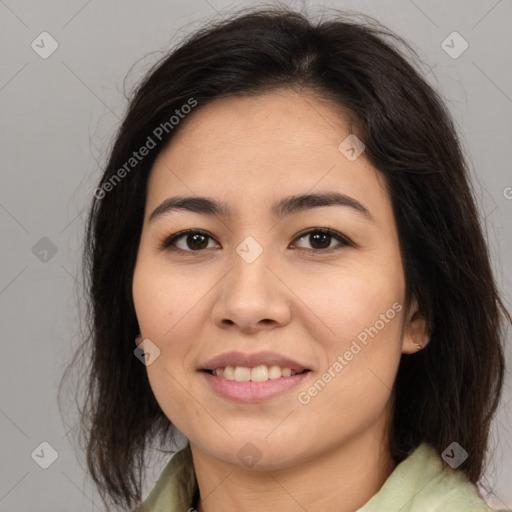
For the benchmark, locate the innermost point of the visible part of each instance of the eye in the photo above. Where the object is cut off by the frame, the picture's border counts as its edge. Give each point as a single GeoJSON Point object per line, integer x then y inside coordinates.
{"type": "Point", "coordinates": [195, 240]}
{"type": "Point", "coordinates": [321, 238]}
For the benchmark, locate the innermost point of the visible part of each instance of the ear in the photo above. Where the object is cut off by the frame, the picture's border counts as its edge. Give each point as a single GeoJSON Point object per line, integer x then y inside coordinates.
{"type": "Point", "coordinates": [138, 340]}
{"type": "Point", "coordinates": [416, 335]}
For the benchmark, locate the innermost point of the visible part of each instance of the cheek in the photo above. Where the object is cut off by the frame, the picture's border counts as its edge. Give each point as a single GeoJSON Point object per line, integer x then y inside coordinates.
{"type": "Point", "coordinates": [168, 309]}
{"type": "Point", "coordinates": [347, 299]}
{"type": "Point", "coordinates": [354, 385]}
{"type": "Point", "coordinates": [167, 301]}
{"type": "Point", "coordinates": [360, 337]}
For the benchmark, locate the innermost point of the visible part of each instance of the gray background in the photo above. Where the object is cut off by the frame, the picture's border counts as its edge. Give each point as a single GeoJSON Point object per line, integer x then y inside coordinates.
{"type": "Point", "coordinates": [58, 119]}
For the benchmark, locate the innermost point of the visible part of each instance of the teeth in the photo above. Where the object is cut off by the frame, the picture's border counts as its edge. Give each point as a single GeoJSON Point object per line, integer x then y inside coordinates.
{"type": "Point", "coordinates": [274, 372]}
{"type": "Point", "coordinates": [242, 374]}
{"type": "Point", "coordinates": [229, 373]}
{"type": "Point", "coordinates": [257, 374]}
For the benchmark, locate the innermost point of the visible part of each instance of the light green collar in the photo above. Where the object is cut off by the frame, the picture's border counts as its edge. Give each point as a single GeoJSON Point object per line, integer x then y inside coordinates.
{"type": "Point", "coordinates": [417, 484]}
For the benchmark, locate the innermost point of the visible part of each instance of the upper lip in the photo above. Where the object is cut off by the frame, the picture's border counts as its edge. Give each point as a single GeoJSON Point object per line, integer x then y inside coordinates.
{"type": "Point", "coordinates": [252, 360]}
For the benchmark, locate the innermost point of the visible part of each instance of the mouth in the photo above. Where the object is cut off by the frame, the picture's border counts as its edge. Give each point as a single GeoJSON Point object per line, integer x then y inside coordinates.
{"type": "Point", "coordinates": [249, 391]}
{"type": "Point", "coordinates": [260, 373]}
{"type": "Point", "coordinates": [244, 377]}
{"type": "Point", "coordinates": [258, 366]}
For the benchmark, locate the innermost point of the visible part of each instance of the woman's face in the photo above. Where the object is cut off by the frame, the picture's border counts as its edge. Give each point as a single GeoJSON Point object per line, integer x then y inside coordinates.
{"type": "Point", "coordinates": [264, 279]}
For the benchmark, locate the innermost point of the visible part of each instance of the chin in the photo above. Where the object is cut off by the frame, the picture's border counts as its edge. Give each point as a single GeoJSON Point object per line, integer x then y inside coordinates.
{"type": "Point", "coordinates": [257, 453]}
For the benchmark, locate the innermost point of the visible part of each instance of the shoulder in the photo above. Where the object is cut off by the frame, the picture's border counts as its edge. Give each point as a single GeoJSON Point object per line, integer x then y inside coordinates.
{"type": "Point", "coordinates": [421, 482]}
{"type": "Point", "coordinates": [175, 488]}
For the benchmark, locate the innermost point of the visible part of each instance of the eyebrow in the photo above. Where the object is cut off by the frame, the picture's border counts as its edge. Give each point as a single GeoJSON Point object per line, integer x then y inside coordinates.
{"type": "Point", "coordinates": [280, 209]}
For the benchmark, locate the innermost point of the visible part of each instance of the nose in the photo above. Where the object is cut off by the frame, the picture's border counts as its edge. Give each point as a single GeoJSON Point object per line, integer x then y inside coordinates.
{"type": "Point", "coordinates": [252, 297]}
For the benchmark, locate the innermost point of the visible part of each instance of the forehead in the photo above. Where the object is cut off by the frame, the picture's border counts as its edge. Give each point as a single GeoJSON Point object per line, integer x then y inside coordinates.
{"type": "Point", "coordinates": [256, 149]}
{"type": "Point", "coordinates": [282, 120]}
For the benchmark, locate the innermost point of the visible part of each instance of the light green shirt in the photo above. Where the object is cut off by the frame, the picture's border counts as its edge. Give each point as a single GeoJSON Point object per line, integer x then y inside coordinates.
{"type": "Point", "coordinates": [419, 483]}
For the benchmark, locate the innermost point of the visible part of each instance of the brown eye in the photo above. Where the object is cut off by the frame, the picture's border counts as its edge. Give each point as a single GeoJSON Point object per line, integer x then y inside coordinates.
{"type": "Point", "coordinates": [321, 239]}
{"type": "Point", "coordinates": [196, 241]}
{"type": "Point", "coordinates": [188, 241]}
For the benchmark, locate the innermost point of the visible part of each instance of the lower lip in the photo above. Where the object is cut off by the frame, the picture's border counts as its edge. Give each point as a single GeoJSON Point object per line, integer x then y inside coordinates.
{"type": "Point", "coordinates": [252, 391]}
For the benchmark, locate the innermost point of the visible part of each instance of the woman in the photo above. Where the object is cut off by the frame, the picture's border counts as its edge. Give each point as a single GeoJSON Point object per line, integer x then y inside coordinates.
{"type": "Point", "coordinates": [286, 230]}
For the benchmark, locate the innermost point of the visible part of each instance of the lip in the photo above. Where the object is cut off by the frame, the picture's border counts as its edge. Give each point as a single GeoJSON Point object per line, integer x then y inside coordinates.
{"type": "Point", "coordinates": [252, 360]}
{"type": "Point", "coordinates": [251, 391]}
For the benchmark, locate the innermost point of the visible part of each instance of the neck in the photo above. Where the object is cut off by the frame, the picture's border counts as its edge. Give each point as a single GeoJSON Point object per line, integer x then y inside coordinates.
{"type": "Point", "coordinates": [342, 479]}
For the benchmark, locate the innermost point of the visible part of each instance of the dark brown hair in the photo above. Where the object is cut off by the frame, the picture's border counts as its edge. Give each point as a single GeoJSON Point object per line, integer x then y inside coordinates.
{"type": "Point", "coordinates": [447, 392]}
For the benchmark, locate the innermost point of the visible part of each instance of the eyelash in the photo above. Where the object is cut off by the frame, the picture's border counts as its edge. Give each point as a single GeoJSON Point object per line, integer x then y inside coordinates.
{"type": "Point", "coordinates": [166, 243]}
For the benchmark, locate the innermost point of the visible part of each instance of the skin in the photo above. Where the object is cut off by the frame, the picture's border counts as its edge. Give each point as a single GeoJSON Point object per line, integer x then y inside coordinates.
{"type": "Point", "coordinates": [331, 453]}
